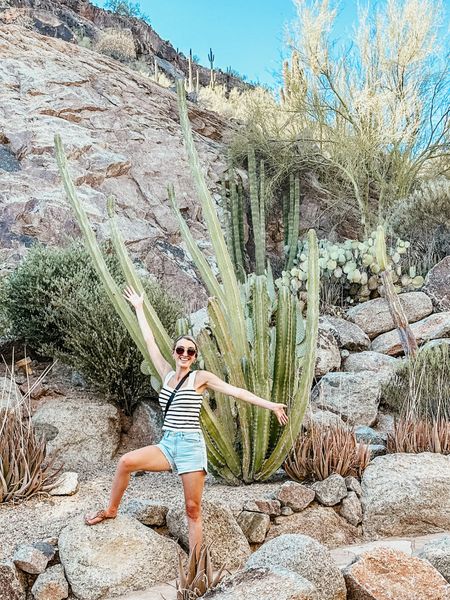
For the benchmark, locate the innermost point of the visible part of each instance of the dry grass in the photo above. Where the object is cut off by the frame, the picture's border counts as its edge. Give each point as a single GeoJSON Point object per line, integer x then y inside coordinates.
{"type": "Point", "coordinates": [324, 450]}
{"type": "Point", "coordinates": [413, 436]}
{"type": "Point", "coordinates": [199, 576]}
{"type": "Point", "coordinates": [24, 468]}
{"type": "Point", "coordinates": [117, 43]}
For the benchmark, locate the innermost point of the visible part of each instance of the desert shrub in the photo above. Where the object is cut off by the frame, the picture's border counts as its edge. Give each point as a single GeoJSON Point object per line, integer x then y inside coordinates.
{"type": "Point", "coordinates": [58, 304]}
{"type": "Point", "coordinates": [24, 468]}
{"type": "Point", "coordinates": [414, 435]}
{"type": "Point", "coordinates": [126, 8]}
{"type": "Point", "coordinates": [323, 450]}
{"type": "Point", "coordinates": [116, 43]}
{"type": "Point", "coordinates": [194, 581]}
{"type": "Point", "coordinates": [420, 386]}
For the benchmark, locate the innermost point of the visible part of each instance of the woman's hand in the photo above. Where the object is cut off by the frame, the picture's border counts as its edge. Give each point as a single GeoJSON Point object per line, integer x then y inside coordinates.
{"type": "Point", "coordinates": [280, 413]}
{"type": "Point", "coordinates": [133, 297]}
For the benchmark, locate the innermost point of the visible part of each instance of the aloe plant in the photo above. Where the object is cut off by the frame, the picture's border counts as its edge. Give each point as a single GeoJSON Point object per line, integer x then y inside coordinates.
{"type": "Point", "coordinates": [254, 340]}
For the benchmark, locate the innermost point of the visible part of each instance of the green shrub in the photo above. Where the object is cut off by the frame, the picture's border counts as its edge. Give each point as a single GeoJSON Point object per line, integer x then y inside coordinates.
{"type": "Point", "coordinates": [117, 43]}
{"type": "Point", "coordinates": [5, 324]}
{"type": "Point", "coordinates": [420, 387]}
{"type": "Point", "coordinates": [58, 305]}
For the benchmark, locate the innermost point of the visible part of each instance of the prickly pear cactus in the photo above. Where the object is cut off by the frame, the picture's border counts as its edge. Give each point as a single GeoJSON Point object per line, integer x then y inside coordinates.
{"type": "Point", "coordinates": [353, 265]}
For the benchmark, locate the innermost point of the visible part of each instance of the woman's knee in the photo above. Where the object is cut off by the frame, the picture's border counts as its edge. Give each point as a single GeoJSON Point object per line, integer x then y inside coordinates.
{"type": "Point", "coordinates": [193, 509]}
{"type": "Point", "coordinates": [126, 463]}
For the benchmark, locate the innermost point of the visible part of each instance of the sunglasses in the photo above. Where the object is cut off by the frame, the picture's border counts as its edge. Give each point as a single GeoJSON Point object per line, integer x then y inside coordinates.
{"type": "Point", "coordinates": [189, 351]}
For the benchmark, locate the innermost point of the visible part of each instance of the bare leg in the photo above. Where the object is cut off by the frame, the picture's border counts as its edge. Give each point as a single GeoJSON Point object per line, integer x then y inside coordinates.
{"type": "Point", "coordinates": [193, 484]}
{"type": "Point", "coordinates": [149, 458]}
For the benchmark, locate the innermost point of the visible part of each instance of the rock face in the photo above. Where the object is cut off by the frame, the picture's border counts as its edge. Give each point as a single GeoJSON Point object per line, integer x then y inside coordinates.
{"type": "Point", "coordinates": [116, 557]}
{"type": "Point", "coordinates": [81, 431]}
{"type": "Point", "coordinates": [433, 327]}
{"type": "Point", "coordinates": [230, 545]}
{"type": "Point", "coordinates": [122, 137]}
{"type": "Point", "coordinates": [437, 284]}
{"type": "Point", "coordinates": [438, 554]}
{"type": "Point", "coordinates": [306, 557]}
{"type": "Point", "coordinates": [328, 356]}
{"type": "Point", "coordinates": [353, 396]}
{"type": "Point", "coordinates": [385, 574]}
{"type": "Point", "coordinates": [348, 335]}
{"type": "Point", "coordinates": [319, 522]}
{"type": "Point", "coordinates": [406, 494]}
{"type": "Point", "coordinates": [374, 316]}
{"type": "Point", "coordinates": [264, 583]}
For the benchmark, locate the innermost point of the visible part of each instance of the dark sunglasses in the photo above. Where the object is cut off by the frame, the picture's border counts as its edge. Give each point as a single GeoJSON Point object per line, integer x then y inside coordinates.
{"type": "Point", "coordinates": [189, 351]}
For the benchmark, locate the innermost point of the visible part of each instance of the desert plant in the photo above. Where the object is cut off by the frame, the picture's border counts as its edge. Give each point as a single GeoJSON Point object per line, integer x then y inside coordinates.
{"type": "Point", "coordinates": [323, 450]}
{"type": "Point", "coordinates": [24, 468]}
{"type": "Point", "coordinates": [420, 385]}
{"type": "Point", "coordinates": [414, 435]}
{"type": "Point", "coordinates": [199, 576]}
{"type": "Point", "coordinates": [116, 43]}
{"type": "Point", "coordinates": [126, 8]}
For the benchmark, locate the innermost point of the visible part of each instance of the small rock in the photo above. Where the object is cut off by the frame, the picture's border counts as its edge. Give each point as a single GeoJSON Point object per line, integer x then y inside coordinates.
{"type": "Point", "coordinates": [46, 548]}
{"type": "Point", "coordinates": [10, 396]}
{"type": "Point", "coordinates": [30, 560]}
{"type": "Point", "coordinates": [438, 554]}
{"type": "Point", "coordinates": [77, 380]}
{"type": "Point", "coordinates": [385, 574]}
{"type": "Point", "coordinates": [67, 485]}
{"type": "Point", "coordinates": [377, 450]}
{"type": "Point", "coordinates": [51, 585]}
{"type": "Point", "coordinates": [370, 436]}
{"type": "Point", "coordinates": [254, 525]}
{"type": "Point", "coordinates": [286, 511]}
{"type": "Point", "coordinates": [351, 509]}
{"type": "Point", "coordinates": [35, 389]}
{"type": "Point", "coordinates": [12, 582]}
{"type": "Point", "coordinates": [321, 418]}
{"type": "Point", "coordinates": [268, 507]}
{"type": "Point", "coordinates": [353, 485]}
{"type": "Point", "coordinates": [331, 490]}
{"type": "Point", "coordinates": [295, 495]}
{"type": "Point", "coordinates": [348, 335]}
{"type": "Point", "coordinates": [147, 512]}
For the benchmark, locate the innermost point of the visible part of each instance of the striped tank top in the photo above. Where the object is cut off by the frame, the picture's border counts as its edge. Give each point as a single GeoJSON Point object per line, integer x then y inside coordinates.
{"type": "Point", "coordinates": [183, 414]}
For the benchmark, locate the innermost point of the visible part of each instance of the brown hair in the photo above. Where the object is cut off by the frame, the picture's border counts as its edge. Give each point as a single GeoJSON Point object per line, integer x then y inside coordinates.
{"type": "Point", "coordinates": [185, 337]}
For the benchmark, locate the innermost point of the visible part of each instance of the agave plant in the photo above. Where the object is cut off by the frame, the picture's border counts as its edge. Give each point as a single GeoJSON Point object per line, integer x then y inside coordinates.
{"type": "Point", "coordinates": [253, 341]}
{"type": "Point", "coordinates": [199, 576]}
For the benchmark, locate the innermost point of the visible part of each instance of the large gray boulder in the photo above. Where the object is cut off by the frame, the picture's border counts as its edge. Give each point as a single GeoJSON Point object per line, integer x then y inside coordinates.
{"type": "Point", "coordinates": [437, 284]}
{"type": "Point", "coordinates": [437, 553]}
{"type": "Point", "coordinates": [369, 361]}
{"type": "Point", "coordinates": [115, 557]}
{"type": "Point", "coordinates": [353, 396]}
{"type": "Point", "coordinates": [433, 327]}
{"type": "Point", "coordinates": [229, 544]}
{"type": "Point", "coordinates": [306, 557]}
{"type": "Point", "coordinates": [374, 316]}
{"type": "Point", "coordinates": [264, 583]}
{"type": "Point", "coordinates": [146, 427]}
{"type": "Point", "coordinates": [348, 335]}
{"type": "Point", "coordinates": [406, 494]}
{"type": "Point", "coordinates": [83, 432]}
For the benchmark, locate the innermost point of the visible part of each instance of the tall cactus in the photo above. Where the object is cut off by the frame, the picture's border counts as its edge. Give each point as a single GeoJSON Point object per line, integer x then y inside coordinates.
{"type": "Point", "coordinates": [257, 205]}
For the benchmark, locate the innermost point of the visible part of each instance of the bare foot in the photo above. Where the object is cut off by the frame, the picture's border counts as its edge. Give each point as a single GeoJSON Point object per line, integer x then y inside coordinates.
{"type": "Point", "coordinates": [99, 516]}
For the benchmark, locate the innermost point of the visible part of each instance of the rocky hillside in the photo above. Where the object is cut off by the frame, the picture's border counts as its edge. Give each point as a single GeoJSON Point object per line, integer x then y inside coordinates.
{"type": "Point", "coordinates": [122, 137]}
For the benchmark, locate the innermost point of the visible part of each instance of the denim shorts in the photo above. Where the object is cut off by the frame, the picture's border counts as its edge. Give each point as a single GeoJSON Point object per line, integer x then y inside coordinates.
{"type": "Point", "coordinates": [185, 451]}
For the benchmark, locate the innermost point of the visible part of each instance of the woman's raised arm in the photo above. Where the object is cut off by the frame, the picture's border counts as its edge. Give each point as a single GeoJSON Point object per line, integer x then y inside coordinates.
{"type": "Point", "coordinates": [160, 363]}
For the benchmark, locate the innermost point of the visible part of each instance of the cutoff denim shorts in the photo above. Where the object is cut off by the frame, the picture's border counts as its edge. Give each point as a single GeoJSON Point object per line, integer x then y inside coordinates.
{"type": "Point", "coordinates": [185, 451]}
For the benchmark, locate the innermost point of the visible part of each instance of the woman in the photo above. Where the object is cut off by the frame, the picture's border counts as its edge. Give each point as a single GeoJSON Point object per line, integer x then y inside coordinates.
{"type": "Point", "coordinates": [182, 446]}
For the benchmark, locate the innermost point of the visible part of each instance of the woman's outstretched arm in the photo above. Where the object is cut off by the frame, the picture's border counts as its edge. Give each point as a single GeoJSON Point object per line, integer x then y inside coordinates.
{"type": "Point", "coordinates": [161, 364]}
{"type": "Point", "coordinates": [211, 381]}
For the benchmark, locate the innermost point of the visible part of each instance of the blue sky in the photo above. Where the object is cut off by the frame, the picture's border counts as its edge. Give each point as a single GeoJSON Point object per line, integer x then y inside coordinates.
{"type": "Point", "coordinates": [247, 35]}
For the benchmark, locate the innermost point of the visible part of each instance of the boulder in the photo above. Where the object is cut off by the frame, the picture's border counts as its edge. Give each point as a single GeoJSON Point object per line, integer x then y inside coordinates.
{"type": "Point", "coordinates": [406, 494]}
{"type": "Point", "coordinates": [254, 525]}
{"type": "Point", "coordinates": [353, 485]}
{"type": "Point", "coordinates": [305, 557]}
{"type": "Point", "coordinates": [353, 396]}
{"type": "Point", "coordinates": [351, 509]}
{"type": "Point", "coordinates": [116, 557]}
{"type": "Point", "coordinates": [319, 522]}
{"type": "Point", "coordinates": [148, 512]}
{"type": "Point", "coordinates": [12, 582]}
{"type": "Point", "coordinates": [374, 316]}
{"type": "Point", "coordinates": [67, 485]}
{"type": "Point", "coordinates": [433, 327]}
{"type": "Point", "coordinates": [328, 357]}
{"type": "Point", "coordinates": [146, 427]}
{"type": "Point", "coordinates": [437, 553]}
{"type": "Point", "coordinates": [83, 432]}
{"type": "Point", "coordinates": [331, 490]}
{"type": "Point", "coordinates": [271, 507]}
{"type": "Point", "coordinates": [369, 361]}
{"type": "Point", "coordinates": [315, 416]}
{"type": "Point", "coordinates": [30, 559]}
{"type": "Point", "coordinates": [230, 546]}
{"type": "Point", "coordinates": [385, 574]}
{"type": "Point", "coordinates": [437, 342]}
{"type": "Point", "coordinates": [367, 435]}
{"type": "Point", "coordinates": [10, 396]}
{"type": "Point", "coordinates": [51, 585]}
{"type": "Point", "coordinates": [348, 335]}
{"type": "Point", "coordinates": [437, 284]}
{"type": "Point", "coordinates": [295, 495]}
{"type": "Point", "coordinates": [264, 583]}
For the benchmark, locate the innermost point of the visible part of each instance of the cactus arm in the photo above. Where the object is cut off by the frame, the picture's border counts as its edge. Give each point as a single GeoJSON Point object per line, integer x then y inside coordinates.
{"type": "Point", "coordinates": [301, 397]}
{"type": "Point", "coordinates": [162, 339]}
{"type": "Point", "coordinates": [236, 210]}
{"type": "Point", "coordinates": [112, 289]}
{"type": "Point", "coordinates": [224, 445]}
{"type": "Point", "coordinates": [258, 233]}
{"type": "Point", "coordinates": [294, 230]}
